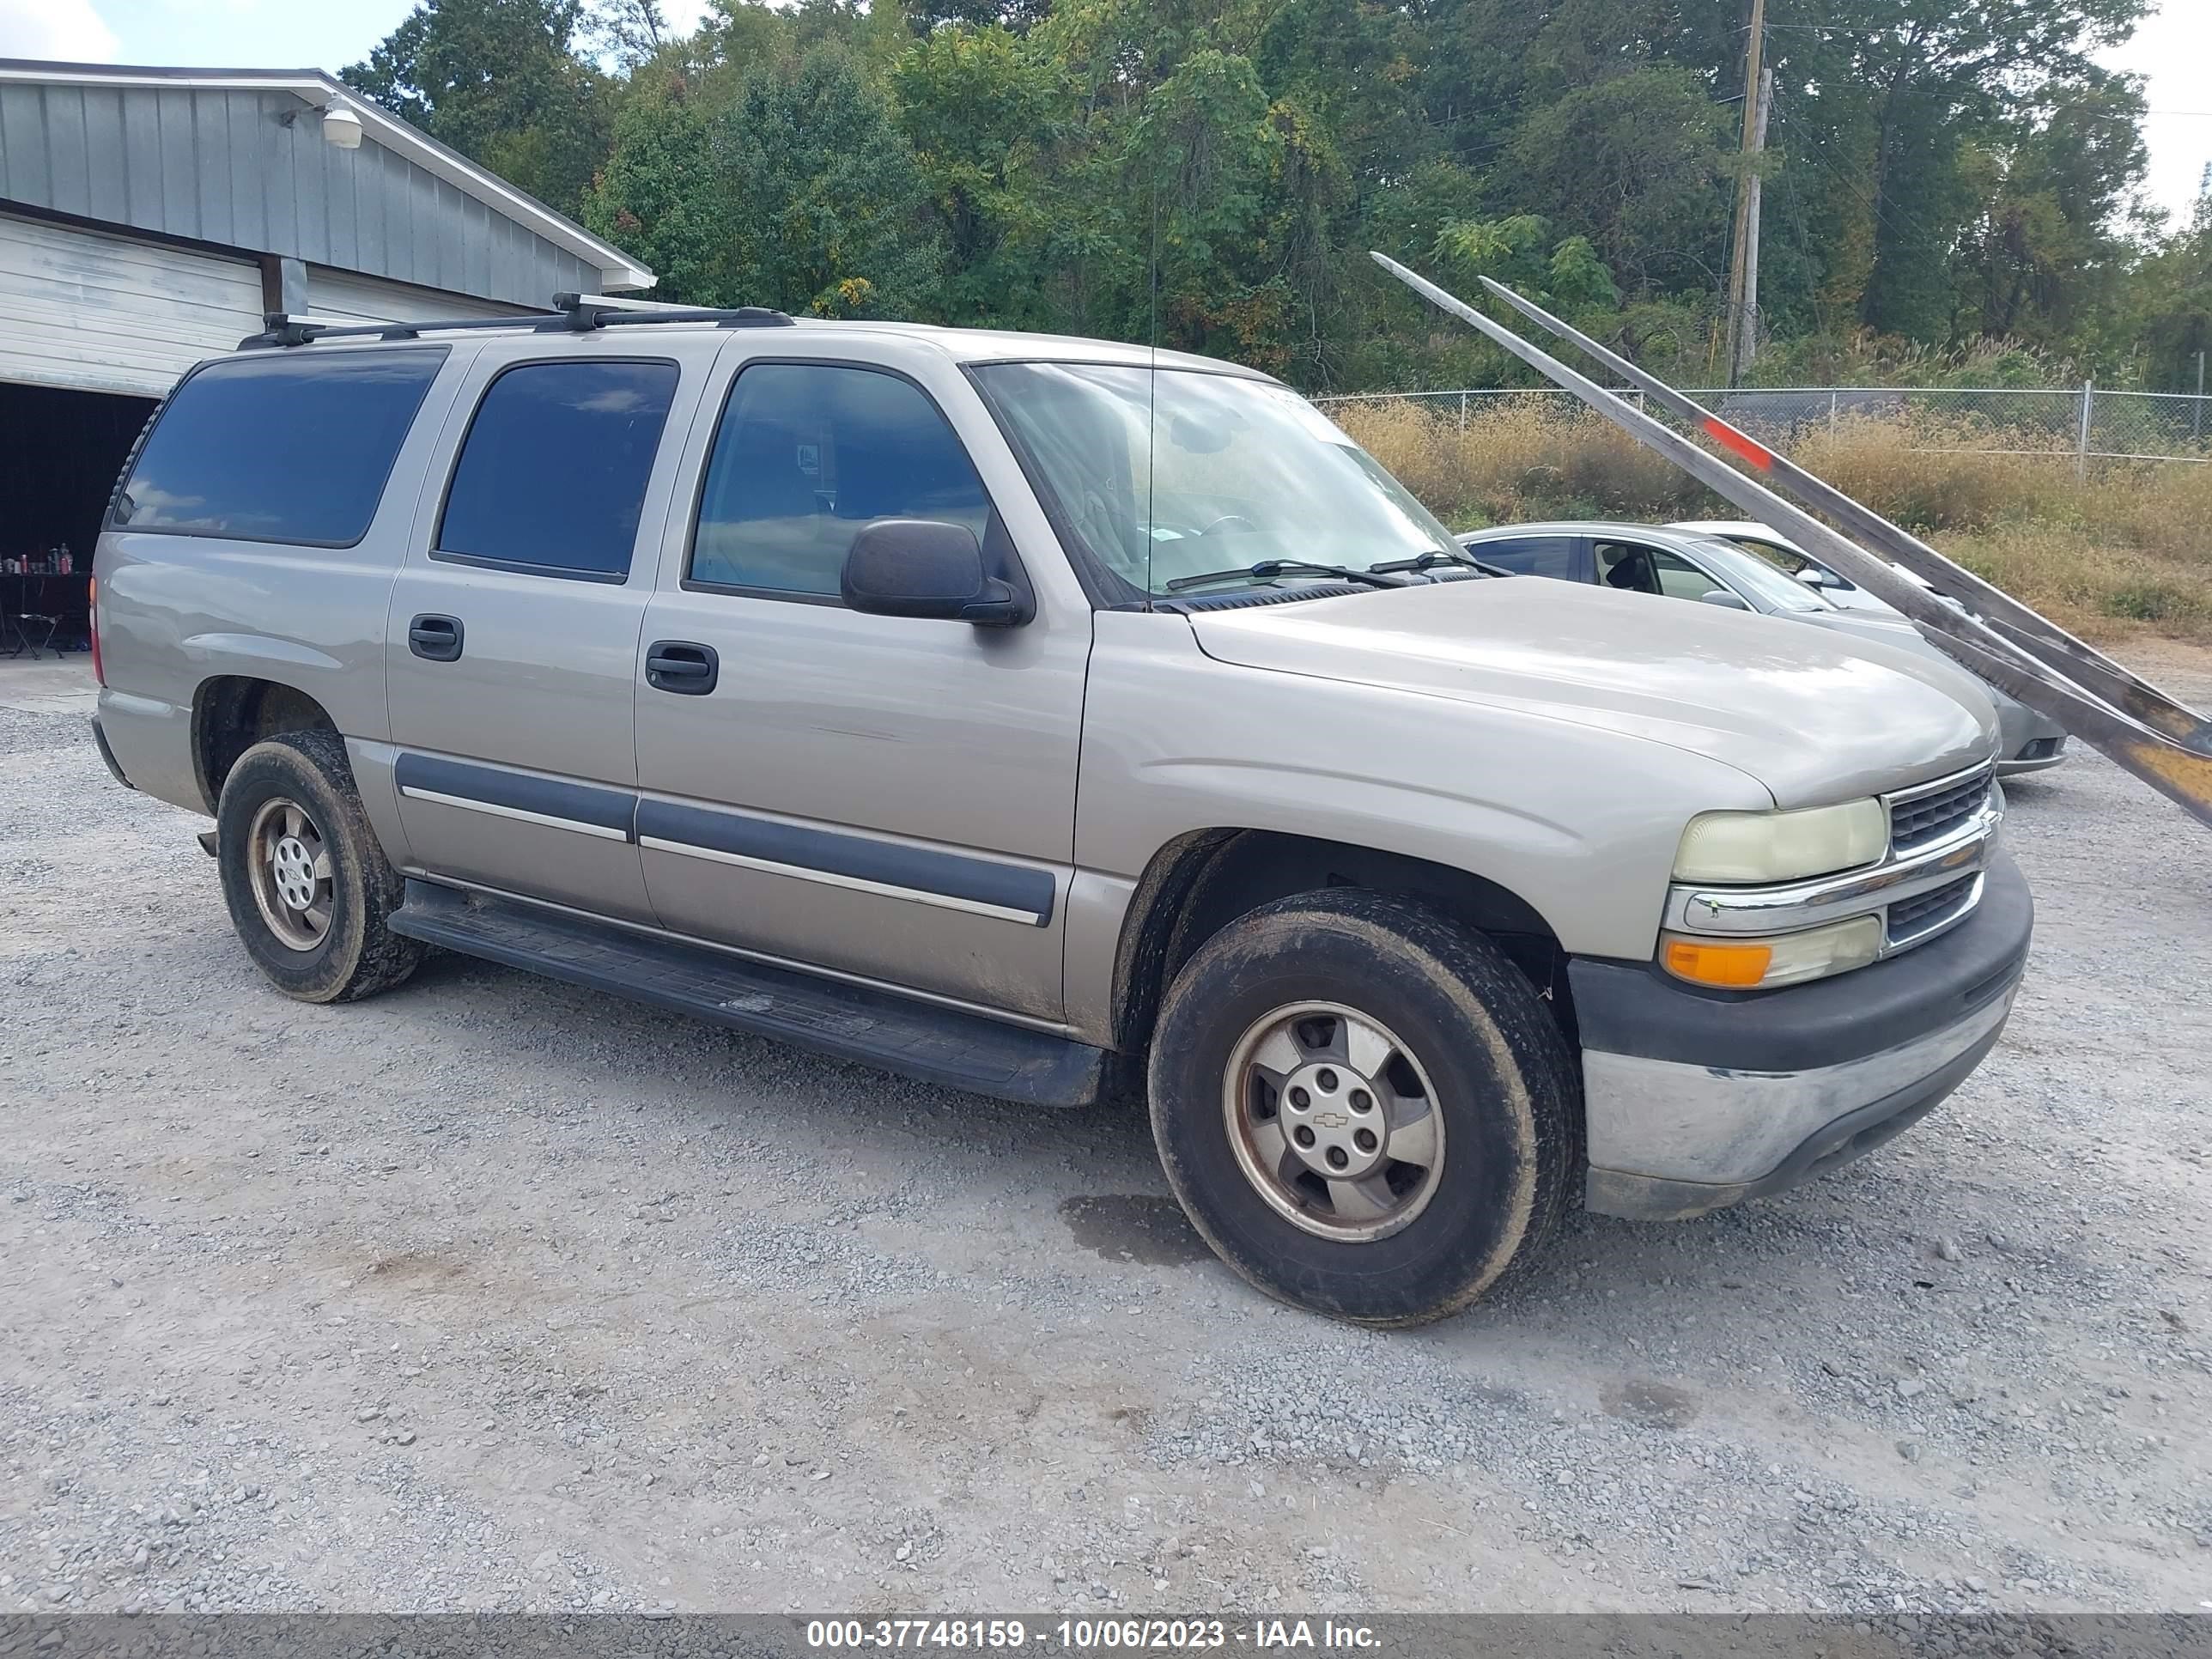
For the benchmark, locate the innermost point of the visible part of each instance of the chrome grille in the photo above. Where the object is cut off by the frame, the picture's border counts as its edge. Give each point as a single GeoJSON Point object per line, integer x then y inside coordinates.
{"type": "Point", "coordinates": [1918, 820]}
{"type": "Point", "coordinates": [1923, 913]}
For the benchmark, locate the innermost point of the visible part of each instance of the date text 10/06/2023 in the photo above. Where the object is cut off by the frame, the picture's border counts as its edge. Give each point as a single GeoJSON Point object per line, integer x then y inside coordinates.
{"type": "Point", "coordinates": [1084, 1635]}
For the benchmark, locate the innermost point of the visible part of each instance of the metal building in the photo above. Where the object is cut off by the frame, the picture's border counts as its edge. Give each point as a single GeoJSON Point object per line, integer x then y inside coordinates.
{"type": "Point", "coordinates": [150, 217]}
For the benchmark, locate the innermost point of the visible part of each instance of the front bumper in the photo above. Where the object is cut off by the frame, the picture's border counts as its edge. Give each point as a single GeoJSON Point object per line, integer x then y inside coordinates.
{"type": "Point", "coordinates": [2027, 741]}
{"type": "Point", "coordinates": [2038, 754]}
{"type": "Point", "coordinates": [1697, 1099]}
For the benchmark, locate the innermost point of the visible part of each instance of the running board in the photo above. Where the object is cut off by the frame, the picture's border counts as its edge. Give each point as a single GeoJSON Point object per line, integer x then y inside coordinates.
{"type": "Point", "coordinates": [918, 1040]}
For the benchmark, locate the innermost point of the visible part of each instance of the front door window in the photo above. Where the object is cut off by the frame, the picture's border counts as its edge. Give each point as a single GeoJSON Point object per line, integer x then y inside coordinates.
{"type": "Point", "coordinates": [1639, 570]}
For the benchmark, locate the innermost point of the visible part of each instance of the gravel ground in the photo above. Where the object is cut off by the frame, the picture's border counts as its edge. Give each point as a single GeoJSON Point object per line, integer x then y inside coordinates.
{"type": "Point", "coordinates": [493, 1294]}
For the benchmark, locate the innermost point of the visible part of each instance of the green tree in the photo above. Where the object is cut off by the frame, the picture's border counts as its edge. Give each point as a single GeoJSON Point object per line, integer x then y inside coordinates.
{"type": "Point", "coordinates": [1566, 275]}
{"type": "Point", "coordinates": [1879, 106]}
{"type": "Point", "coordinates": [995, 129]}
{"type": "Point", "coordinates": [630, 32]}
{"type": "Point", "coordinates": [1636, 164]}
{"type": "Point", "coordinates": [2052, 247]}
{"type": "Point", "coordinates": [824, 207]}
{"type": "Point", "coordinates": [659, 195]}
{"type": "Point", "coordinates": [1950, 182]}
{"type": "Point", "coordinates": [499, 80]}
{"type": "Point", "coordinates": [2172, 310]}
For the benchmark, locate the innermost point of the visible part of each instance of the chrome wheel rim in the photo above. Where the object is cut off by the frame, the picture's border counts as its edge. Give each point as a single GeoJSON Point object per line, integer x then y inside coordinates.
{"type": "Point", "coordinates": [288, 867]}
{"type": "Point", "coordinates": [1334, 1121]}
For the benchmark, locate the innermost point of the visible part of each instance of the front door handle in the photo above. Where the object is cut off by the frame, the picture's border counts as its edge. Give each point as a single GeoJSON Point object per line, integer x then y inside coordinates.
{"type": "Point", "coordinates": [435, 639]}
{"type": "Point", "coordinates": [678, 665]}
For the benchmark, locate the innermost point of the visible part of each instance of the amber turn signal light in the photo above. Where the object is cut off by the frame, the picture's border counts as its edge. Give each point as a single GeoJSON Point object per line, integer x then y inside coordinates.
{"type": "Point", "coordinates": [1738, 967]}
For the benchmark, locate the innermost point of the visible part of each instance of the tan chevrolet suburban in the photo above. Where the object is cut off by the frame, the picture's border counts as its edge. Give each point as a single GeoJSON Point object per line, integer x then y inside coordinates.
{"type": "Point", "coordinates": [1058, 721]}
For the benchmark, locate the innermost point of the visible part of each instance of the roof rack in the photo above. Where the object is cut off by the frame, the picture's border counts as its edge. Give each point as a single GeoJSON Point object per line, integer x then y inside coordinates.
{"type": "Point", "coordinates": [572, 313]}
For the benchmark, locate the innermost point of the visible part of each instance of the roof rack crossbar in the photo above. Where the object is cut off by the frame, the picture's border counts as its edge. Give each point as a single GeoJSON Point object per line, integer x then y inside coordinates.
{"type": "Point", "coordinates": [580, 314]}
{"type": "Point", "coordinates": [283, 331]}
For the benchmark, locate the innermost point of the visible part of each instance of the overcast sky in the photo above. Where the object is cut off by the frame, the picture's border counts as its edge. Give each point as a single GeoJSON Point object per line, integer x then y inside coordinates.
{"type": "Point", "coordinates": [2173, 50]}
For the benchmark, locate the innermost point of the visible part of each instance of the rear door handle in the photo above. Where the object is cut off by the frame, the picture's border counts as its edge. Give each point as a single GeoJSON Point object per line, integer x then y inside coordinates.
{"type": "Point", "coordinates": [435, 639]}
{"type": "Point", "coordinates": [679, 665]}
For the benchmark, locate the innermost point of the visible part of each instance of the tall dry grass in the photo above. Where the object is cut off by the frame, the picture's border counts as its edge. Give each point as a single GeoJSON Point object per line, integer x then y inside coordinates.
{"type": "Point", "coordinates": [2128, 548]}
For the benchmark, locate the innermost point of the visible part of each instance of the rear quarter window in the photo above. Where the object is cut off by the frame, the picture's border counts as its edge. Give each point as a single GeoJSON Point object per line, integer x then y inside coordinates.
{"type": "Point", "coordinates": [294, 448]}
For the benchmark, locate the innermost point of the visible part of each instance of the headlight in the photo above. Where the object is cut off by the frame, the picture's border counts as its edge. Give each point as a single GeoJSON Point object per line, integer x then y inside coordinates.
{"type": "Point", "coordinates": [1765, 847]}
{"type": "Point", "coordinates": [1748, 964]}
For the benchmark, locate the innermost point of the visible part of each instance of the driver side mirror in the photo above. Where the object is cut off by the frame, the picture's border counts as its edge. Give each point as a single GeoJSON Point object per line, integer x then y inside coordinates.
{"type": "Point", "coordinates": [1814, 576]}
{"type": "Point", "coordinates": [1723, 598]}
{"type": "Point", "coordinates": [927, 568]}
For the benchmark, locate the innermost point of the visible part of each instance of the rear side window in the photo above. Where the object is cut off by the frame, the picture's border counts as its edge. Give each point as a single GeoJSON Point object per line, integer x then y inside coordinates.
{"type": "Point", "coordinates": [1531, 556]}
{"type": "Point", "coordinates": [292, 448]}
{"type": "Point", "coordinates": [807, 455]}
{"type": "Point", "coordinates": [552, 475]}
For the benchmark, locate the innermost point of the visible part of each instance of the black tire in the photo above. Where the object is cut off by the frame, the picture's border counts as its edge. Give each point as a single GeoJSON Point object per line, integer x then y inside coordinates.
{"type": "Point", "coordinates": [355, 955]}
{"type": "Point", "coordinates": [1504, 1081]}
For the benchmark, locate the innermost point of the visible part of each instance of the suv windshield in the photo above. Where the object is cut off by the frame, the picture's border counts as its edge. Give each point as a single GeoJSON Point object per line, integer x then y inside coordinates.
{"type": "Point", "coordinates": [1169, 474]}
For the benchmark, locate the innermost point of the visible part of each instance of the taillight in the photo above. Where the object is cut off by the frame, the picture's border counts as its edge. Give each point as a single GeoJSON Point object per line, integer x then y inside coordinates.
{"type": "Point", "coordinates": [92, 603]}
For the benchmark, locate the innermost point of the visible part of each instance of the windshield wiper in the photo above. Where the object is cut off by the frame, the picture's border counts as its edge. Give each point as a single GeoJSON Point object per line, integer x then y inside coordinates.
{"type": "Point", "coordinates": [1428, 560]}
{"type": "Point", "coordinates": [1268, 568]}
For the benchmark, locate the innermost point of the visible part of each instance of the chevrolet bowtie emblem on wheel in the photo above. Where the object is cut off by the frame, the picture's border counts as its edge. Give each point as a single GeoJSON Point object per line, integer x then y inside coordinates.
{"type": "Point", "coordinates": [1331, 1120]}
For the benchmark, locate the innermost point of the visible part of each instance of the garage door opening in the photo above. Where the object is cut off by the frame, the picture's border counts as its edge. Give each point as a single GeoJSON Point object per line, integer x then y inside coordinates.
{"type": "Point", "coordinates": [60, 454]}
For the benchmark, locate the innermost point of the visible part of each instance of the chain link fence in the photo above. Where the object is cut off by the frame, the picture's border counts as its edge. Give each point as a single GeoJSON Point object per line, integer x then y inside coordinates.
{"type": "Point", "coordinates": [2082, 425]}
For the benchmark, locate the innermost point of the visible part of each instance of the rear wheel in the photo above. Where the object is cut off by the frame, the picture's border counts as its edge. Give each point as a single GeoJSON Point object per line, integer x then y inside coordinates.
{"type": "Point", "coordinates": [1363, 1106]}
{"type": "Point", "coordinates": [308, 887]}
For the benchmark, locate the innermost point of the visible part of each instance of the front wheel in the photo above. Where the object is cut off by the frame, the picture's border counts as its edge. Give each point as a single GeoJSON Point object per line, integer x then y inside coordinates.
{"type": "Point", "coordinates": [308, 884]}
{"type": "Point", "coordinates": [1363, 1106]}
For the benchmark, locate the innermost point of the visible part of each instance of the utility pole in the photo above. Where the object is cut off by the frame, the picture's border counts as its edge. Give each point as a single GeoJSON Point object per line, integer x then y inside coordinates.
{"type": "Point", "coordinates": [1743, 265]}
{"type": "Point", "coordinates": [1747, 323]}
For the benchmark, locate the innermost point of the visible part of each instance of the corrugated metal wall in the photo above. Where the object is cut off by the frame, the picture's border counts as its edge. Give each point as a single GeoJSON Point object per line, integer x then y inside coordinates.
{"type": "Point", "coordinates": [220, 166]}
{"type": "Point", "coordinates": [339, 294]}
{"type": "Point", "coordinates": [96, 312]}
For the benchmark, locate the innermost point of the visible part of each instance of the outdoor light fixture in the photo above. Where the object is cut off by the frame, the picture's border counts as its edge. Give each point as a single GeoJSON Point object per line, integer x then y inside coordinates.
{"type": "Point", "coordinates": [341, 126]}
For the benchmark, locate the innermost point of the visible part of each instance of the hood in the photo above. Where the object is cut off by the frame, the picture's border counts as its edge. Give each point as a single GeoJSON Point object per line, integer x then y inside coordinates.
{"type": "Point", "coordinates": [1882, 627]}
{"type": "Point", "coordinates": [1886, 627]}
{"type": "Point", "coordinates": [1814, 719]}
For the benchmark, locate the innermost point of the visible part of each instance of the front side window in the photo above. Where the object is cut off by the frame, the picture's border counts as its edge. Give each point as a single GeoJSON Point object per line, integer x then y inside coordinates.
{"type": "Point", "coordinates": [807, 455]}
{"type": "Point", "coordinates": [1680, 579]}
{"type": "Point", "coordinates": [292, 447]}
{"type": "Point", "coordinates": [552, 475]}
{"type": "Point", "coordinates": [1176, 474]}
{"type": "Point", "coordinates": [1637, 569]}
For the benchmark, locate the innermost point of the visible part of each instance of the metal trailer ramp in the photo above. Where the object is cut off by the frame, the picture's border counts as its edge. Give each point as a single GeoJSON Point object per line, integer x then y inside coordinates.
{"type": "Point", "coordinates": [2013, 647]}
